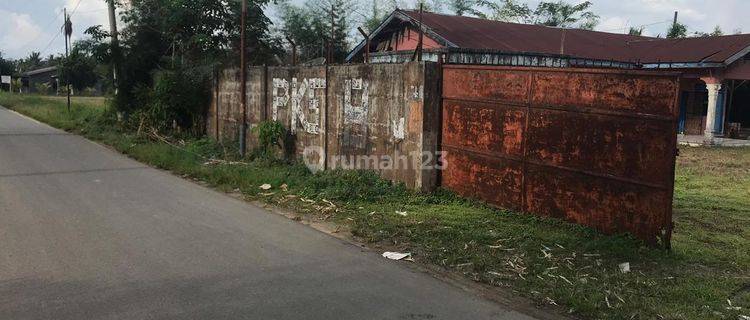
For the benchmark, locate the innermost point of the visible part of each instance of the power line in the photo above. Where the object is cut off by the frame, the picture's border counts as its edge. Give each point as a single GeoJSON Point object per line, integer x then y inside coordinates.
{"type": "Point", "coordinates": [92, 11]}
{"type": "Point", "coordinates": [45, 27]}
{"type": "Point", "coordinates": [57, 34]}
{"type": "Point", "coordinates": [638, 26]}
{"type": "Point", "coordinates": [76, 8]}
{"type": "Point", "coordinates": [41, 53]}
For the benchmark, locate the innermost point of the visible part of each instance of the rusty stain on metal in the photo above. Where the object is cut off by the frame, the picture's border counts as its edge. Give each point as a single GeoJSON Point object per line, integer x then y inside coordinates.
{"type": "Point", "coordinates": [595, 147]}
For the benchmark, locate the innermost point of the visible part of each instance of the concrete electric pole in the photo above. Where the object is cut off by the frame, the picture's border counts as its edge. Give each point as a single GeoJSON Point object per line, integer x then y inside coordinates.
{"type": "Point", "coordinates": [67, 32]}
{"type": "Point", "coordinates": [114, 42]}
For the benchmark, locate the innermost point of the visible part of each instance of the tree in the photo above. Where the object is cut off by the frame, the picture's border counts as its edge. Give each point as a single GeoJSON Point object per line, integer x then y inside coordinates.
{"type": "Point", "coordinates": [676, 31]}
{"type": "Point", "coordinates": [512, 11]}
{"type": "Point", "coordinates": [190, 34]}
{"type": "Point", "coordinates": [377, 15]}
{"type": "Point", "coordinates": [310, 27]}
{"type": "Point", "coordinates": [564, 15]}
{"type": "Point", "coordinates": [52, 60]}
{"type": "Point", "coordinates": [7, 67]}
{"type": "Point", "coordinates": [717, 32]}
{"type": "Point", "coordinates": [432, 6]}
{"type": "Point", "coordinates": [305, 30]}
{"type": "Point", "coordinates": [342, 11]}
{"type": "Point", "coordinates": [469, 7]}
{"type": "Point", "coordinates": [635, 31]}
{"type": "Point", "coordinates": [554, 14]}
{"type": "Point", "coordinates": [33, 61]}
{"type": "Point", "coordinates": [77, 69]}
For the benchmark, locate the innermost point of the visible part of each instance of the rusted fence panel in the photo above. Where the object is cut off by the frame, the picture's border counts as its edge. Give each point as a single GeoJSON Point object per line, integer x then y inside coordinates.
{"type": "Point", "coordinates": [596, 147]}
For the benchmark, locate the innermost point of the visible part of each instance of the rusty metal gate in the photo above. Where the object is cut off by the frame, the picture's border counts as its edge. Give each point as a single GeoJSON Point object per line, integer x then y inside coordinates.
{"type": "Point", "coordinates": [595, 147]}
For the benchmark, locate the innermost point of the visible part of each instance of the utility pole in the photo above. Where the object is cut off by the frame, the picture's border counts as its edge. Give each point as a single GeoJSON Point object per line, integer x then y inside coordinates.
{"type": "Point", "coordinates": [67, 31]}
{"type": "Point", "coordinates": [243, 81]}
{"type": "Point", "coordinates": [329, 57]}
{"type": "Point", "coordinates": [114, 42]}
{"type": "Point", "coordinates": [674, 22]}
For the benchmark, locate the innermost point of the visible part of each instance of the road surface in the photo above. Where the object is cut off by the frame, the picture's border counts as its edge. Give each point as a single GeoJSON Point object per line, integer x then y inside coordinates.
{"type": "Point", "coordinates": [86, 233]}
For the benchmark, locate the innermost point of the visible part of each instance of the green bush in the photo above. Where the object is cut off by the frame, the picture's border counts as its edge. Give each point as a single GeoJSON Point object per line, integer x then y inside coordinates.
{"type": "Point", "coordinates": [177, 103]}
{"type": "Point", "coordinates": [271, 138]}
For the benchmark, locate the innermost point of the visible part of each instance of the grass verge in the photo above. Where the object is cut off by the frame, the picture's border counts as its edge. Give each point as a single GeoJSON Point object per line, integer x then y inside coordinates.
{"type": "Point", "coordinates": [705, 276]}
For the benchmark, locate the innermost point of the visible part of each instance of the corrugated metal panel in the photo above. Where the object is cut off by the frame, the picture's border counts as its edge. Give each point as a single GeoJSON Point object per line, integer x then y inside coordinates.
{"type": "Point", "coordinates": [474, 33]}
{"type": "Point", "coordinates": [594, 147]}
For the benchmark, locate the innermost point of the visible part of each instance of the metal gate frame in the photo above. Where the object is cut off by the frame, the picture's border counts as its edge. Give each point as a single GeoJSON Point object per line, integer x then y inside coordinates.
{"type": "Point", "coordinates": [592, 146]}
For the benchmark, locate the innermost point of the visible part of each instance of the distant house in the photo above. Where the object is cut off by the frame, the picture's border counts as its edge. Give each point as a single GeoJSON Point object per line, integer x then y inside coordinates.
{"type": "Point", "coordinates": [714, 97]}
{"type": "Point", "coordinates": [35, 80]}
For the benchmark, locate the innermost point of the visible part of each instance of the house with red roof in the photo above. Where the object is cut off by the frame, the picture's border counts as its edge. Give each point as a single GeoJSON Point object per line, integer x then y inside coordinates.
{"type": "Point", "coordinates": [714, 94]}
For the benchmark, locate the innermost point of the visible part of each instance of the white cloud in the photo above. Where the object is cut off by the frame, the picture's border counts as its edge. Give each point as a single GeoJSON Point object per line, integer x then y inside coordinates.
{"type": "Point", "coordinates": [656, 15]}
{"type": "Point", "coordinates": [614, 24]}
{"type": "Point", "coordinates": [19, 34]}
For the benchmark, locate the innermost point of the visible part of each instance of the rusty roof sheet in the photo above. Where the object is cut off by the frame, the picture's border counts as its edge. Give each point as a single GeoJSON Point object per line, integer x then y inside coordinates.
{"type": "Point", "coordinates": [475, 33]}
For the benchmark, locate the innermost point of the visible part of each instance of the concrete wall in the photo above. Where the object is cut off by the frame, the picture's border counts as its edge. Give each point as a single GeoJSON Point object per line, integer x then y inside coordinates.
{"type": "Point", "coordinates": [379, 117]}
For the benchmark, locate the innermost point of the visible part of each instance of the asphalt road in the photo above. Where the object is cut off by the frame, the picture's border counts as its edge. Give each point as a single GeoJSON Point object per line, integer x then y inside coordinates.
{"type": "Point", "coordinates": [86, 233]}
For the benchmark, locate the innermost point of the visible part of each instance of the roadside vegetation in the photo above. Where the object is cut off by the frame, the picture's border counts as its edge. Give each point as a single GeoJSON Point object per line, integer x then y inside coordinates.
{"type": "Point", "coordinates": [572, 268]}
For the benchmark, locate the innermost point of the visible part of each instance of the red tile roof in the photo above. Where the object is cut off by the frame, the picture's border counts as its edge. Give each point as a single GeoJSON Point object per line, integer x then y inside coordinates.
{"type": "Point", "coordinates": [475, 33]}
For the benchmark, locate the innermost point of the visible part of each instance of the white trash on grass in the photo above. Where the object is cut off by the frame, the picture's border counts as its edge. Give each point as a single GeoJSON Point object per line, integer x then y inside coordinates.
{"type": "Point", "coordinates": [397, 255]}
{"type": "Point", "coordinates": [624, 267]}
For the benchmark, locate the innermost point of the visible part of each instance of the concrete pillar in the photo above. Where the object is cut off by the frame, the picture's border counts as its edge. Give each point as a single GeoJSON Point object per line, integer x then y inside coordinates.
{"type": "Point", "coordinates": [713, 108]}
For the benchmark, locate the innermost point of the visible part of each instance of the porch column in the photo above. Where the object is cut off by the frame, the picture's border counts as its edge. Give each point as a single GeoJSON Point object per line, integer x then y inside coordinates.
{"type": "Point", "coordinates": [713, 109]}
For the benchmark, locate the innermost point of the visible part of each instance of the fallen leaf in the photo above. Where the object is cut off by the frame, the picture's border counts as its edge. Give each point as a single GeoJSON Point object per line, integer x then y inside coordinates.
{"type": "Point", "coordinates": [265, 186]}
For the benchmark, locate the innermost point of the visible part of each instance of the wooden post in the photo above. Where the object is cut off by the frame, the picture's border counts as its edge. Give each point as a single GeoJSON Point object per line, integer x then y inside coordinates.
{"type": "Point", "coordinates": [294, 50]}
{"type": "Point", "coordinates": [329, 57]}
{"type": "Point", "coordinates": [243, 81]}
{"type": "Point", "coordinates": [418, 51]}
{"type": "Point", "coordinates": [421, 33]}
{"type": "Point", "coordinates": [217, 87]}
{"type": "Point", "coordinates": [367, 44]}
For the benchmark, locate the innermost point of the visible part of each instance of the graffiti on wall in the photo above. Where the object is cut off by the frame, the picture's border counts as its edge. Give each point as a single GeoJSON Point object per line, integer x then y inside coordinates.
{"type": "Point", "coordinates": [302, 98]}
{"type": "Point", "coordinates": [416, 93]}
{"type": "Point", "coordinates": [356, 101]}
{"type": "Point", "coordinates": [357, 106]}
{"type": "Point", "coordinates": [305, 102]}
{"type": "Point", "coordinates": [398, 128]}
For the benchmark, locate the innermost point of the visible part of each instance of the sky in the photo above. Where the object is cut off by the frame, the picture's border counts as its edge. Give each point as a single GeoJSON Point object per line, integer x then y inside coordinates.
{"type": "Point", "coordinates": [34, 25]}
